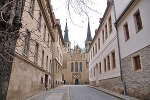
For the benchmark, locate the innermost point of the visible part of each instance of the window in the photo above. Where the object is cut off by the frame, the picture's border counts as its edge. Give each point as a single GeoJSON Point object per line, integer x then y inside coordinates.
{"type": "Point", "coordinates": [48, 40]}
{"type": "Point", "coordinates": [108, 62]}
{"type": "Point", "coordinates": [99, 43]}
{"type": "Point", "coordinates": [42, 61]}
{"type": "Point", "coordinates": [56, 68]}
{"type": "Point", "coordinates": [72, 65]}
{"type": "Point", "coordinates": [110, 24]}
{"type": "Point", "coordinates": [68, 45]}
{"type": "Point", "coordinates": [95, 47]}
{"type": "Point", "coordinates": [49, 81]}
{"type": "Point", "coordinates": [76, 66]}
{"type": "Point", "coordinates": [41, 80]}
{"type": "Point", "coordinates": [26, 44]}
{"type": "Point", "coordinates": [137, 62]}
{"type": "Point", "coordinates": [80, 66]}
{"type": "Point", "coordinates": [47, 63]}
{"type": "Point", "coordinates": [44, 33]}
{"type": "Point", "coordinates": [62, 77]}
{"type": "Point", "coordinates": [93, 51]}
{"type": "Point", "coordinates": [94, 71]}
{"type": "Point", "coordinates": [36, 52]}
{"type": "Point", "coordinates": [100, 70]}
{"type": "Point", "coordinates": [57, 53]}
{"type": "Point", "coordinates": [65, 44]}
{"type": "Point", "coordinates": [91, 55]}
{"type": "Point", "coordinates": [39, 21]}
{"type": "Point", "coordinates": [126, 30]}
{"type": "Point", "coordinates": [104, 65]}
{"type": "Point", "coordinates": [113, 60]}
{"type": "Point", "coordinates": [31, 7]}
{"type": "Point", "coordinates": [50, 64]}
{"type": "Point", "coordinates": [106, 33]}
{"type": "Point", "coordinates": [138, 21]}
{"type": "Point", "coordinates": [103, 36]}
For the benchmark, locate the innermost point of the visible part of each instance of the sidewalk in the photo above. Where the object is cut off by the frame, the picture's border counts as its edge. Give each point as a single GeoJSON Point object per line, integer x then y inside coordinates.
{"type": "Point", "coordinates": [114, 93]}
{"type": "Point", "coordinates": [58, 93]}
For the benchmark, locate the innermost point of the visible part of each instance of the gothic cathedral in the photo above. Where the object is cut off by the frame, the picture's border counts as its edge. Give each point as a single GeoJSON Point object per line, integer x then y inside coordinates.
{"type": "Point", "coordinates": [75, 61]}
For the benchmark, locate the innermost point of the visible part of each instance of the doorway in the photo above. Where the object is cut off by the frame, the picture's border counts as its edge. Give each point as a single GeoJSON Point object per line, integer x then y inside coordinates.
{"type": "Point", "coordinates": [76, 82]}
{"type": "Point", "coordinates": [46, 81]}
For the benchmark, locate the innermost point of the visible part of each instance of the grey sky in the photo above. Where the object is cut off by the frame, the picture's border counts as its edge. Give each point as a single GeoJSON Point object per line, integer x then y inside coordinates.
{"type": "Point", "coordinates": [76, 33]}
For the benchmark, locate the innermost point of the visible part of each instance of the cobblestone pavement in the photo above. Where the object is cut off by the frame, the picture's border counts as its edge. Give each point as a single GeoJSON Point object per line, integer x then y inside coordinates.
{"type": "Point", "coordinates": [76, 92]}
{"type": "Point", "coordinates": [59, 93]}
{"type": "Point", "coordinates": [83, 92]}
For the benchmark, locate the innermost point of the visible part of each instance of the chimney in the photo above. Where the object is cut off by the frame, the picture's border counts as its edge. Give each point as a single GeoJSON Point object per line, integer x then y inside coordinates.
{"type": "Point", "coordinates": [100, 20]}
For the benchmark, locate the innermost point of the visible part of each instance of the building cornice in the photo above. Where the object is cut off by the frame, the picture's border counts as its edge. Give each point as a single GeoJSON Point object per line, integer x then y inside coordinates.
{"type": "Point", "coordinates": [126, 9]}
{"type": "Point", "coordinates": [46, 16]}
{"type": "Point", "coordinates": [24, 58]}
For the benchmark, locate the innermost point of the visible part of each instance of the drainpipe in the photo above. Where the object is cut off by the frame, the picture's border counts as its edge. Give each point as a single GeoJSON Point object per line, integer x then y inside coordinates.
{"type": "Point", "coordinates": [123, 83]}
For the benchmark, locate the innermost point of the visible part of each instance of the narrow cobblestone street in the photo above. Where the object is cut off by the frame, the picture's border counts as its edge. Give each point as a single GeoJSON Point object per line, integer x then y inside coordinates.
{"type": "Point", "coordinates": [77, 92]}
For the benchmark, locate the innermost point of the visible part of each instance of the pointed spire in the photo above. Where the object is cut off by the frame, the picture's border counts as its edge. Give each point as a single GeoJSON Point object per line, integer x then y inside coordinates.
{"type": "Point", "coordinates": [66, 37]}
{"type": "Point", "coordinates": [89, 38]}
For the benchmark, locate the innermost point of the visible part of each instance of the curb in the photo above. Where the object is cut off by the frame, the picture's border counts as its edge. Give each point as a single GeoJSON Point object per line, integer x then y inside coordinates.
{"type": "Point", "coordinates": [122, 97]}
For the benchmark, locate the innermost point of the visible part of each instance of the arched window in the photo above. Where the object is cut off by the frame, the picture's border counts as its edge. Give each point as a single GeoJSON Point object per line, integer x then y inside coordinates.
{"type": "Point", "coordinates": [72, 66]}
{"type": "Point", "coordinates": [80, 66]}
{"type": "Point", "coordinates": [76, 67]}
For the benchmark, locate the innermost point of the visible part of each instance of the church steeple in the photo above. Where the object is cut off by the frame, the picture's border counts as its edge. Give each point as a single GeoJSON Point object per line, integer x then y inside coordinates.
{"type": "Point", "coordinates": [89, 38]}
{"type": "Point", "coordinates": [66, 37]}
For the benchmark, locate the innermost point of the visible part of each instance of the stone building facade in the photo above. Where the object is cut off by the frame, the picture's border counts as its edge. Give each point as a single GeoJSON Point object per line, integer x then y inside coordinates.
{"type": "Point", "coordinates": [75, 63]}
{"type": "Point", "coordinates": [33, 60]}
{"type": "Point", "coordinates": [133, 29]}
{"type": "Point", "coordinates": [57, 53]}
{"type": "Point", "coordinates": [104, 66]}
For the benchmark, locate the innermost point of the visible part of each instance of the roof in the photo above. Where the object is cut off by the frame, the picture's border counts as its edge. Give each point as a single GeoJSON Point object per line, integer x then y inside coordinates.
{"type": "Point", "coordinates": [66, 37]}
{"type": "Point", "coordinates": [89, 38]}
{"type": "Point", "coordinates": [124, 11]}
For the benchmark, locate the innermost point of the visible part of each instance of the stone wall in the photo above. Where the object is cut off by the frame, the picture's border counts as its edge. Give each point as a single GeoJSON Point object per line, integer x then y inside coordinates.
{"type": "Point", "coordinates": [138, 81]}
{"type": "Point", "coordinates": [113, 84]}
{"type": "Point", "coordinates": [93, 83]}
{"type": "Point", "coordinates": [25, 80]}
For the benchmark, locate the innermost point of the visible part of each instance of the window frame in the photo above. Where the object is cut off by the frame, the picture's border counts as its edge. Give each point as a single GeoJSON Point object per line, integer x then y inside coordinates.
{"type": "Point", "coordinates": [105, 65]}
{"type": "Point", "coordinates": [110, 25]}
{"type": "Point", "coordinates": [108, 62]}
{"type": "Point", "coordinates": [31, 7]}
{"type": "Point", "coordinates": [36, 52]}
{"type": "Point", "coordinates": [126, 31]}
{"type": "Point", "coordinates": [137, 22]}
{"type": "Point", "coordinates": [113, 56]}
{"type": "Point", "coordinates": [26, 43]}
{"type": "Point", "coordinates": [39, 21]}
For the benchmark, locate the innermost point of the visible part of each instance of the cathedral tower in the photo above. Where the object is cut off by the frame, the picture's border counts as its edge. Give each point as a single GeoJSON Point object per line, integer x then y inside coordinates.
{"type": "Point", "coordinates": [67, 46]}
{"type": "Point", "coordinates": [88, 38]}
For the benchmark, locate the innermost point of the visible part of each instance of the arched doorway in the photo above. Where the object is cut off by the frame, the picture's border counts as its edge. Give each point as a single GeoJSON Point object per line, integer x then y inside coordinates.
{"type": "Point", "coordinates": [76, 82]}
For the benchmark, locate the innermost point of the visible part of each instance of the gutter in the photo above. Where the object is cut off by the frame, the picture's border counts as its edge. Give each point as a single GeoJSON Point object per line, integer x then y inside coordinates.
{"type": "Point", "coordinates": [123, 83]}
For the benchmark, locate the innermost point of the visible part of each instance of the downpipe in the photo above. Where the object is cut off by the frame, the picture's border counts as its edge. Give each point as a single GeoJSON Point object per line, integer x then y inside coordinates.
{"type": "Point", "coordinates": [122, 81]}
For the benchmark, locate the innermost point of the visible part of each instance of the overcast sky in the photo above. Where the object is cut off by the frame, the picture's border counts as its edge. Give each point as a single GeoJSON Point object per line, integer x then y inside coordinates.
{"type": "Point", "coordinates": [76, 33]}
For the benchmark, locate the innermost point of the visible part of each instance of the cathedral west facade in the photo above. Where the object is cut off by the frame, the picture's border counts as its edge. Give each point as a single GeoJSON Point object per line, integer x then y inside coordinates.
{"type": "Point", "coordinates": [75, 61]}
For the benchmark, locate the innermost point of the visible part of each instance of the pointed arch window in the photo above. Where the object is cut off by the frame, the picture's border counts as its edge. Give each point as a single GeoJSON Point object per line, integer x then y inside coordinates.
{"type": "Point", "coordinates": [72, 65]}
{"type": "Point", "coordinates": [80, 66]}
{"type": "Point", "coordinates": [76, 66]}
